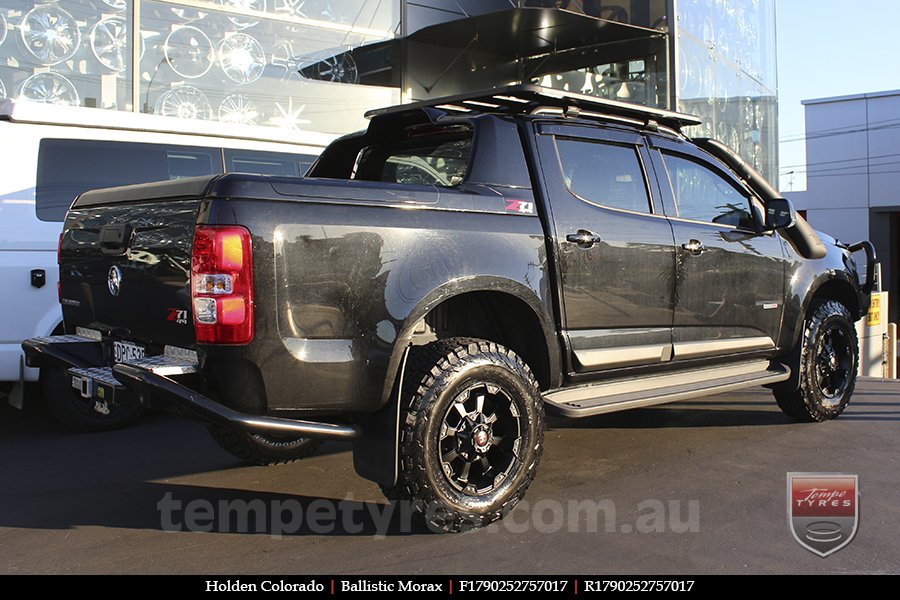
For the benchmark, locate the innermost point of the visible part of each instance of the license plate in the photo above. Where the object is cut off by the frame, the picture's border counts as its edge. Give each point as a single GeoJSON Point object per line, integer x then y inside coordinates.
{"type": "Point", "coordinates": [125, 351]}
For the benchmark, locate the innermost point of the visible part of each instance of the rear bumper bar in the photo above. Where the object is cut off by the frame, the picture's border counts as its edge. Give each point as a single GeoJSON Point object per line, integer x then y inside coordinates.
{"type": "Point", "coordinates": [142, 381]}
{"type": "Point", "coordinates": [62, 351]}
{"type": "Point", "coordinates": [146, 378]}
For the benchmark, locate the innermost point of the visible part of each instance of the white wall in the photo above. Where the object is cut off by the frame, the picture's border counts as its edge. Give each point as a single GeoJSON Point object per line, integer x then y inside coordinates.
{"type": "Point", "coordinates": [853, 162]}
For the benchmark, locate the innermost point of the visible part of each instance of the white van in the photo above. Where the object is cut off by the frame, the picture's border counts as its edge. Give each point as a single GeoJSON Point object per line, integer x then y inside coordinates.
{"type": "Point", "coordinates": [50, 154]}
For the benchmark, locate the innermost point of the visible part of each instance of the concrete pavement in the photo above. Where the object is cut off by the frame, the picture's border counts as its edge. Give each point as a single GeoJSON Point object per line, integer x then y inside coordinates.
{"type": "Point", "coordinates": [693, 487]}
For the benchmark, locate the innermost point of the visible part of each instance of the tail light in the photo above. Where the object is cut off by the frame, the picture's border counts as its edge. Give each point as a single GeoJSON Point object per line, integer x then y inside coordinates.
{"type": "Point", "coordinates": [222, 285]}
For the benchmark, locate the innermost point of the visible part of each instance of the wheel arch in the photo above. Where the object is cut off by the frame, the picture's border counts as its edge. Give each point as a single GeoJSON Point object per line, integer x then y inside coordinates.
{"type": "Point", "coordinates": [520, 321]}
{"type": "Point", "coordinates": [836, 287]}
{"type": "Point", "coordinates": [375, 454]}
{"type": "Point", "coordinates": [828, 286]}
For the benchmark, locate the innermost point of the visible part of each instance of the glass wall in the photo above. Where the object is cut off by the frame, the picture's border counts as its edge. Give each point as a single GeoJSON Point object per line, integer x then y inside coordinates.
{"type": "Point", "coordinates": [258, 62]}
{"type": "Point", "coordinates": [636, 72]}
{"type": "Point", "coordinates": [320, 64]}
{"type": "Point", "coordinates": [73, 53]}
{"type": "Point", "coordinates": [726, 70]}
{"type": "Point", "coordinates": [616, 50]}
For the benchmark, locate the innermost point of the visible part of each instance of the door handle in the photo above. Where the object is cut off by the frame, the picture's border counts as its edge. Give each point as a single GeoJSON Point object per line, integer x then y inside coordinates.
{"type": "Point", "coordinates": [695, 247]}
{"type": "Point", "coordinates": [584, 238]}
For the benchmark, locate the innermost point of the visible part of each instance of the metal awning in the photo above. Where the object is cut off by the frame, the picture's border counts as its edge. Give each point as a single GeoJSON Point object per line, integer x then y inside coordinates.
{"type": "Point", "coordinates": [538, 40]}
{"type": "Point", "coordinates": [529, 32]}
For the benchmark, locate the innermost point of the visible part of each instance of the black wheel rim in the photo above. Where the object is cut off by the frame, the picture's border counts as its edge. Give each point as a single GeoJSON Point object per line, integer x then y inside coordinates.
{"type": "Point", "coordinates": [834, 364]}
{"type": "Point", "coordinates": [480, 439]}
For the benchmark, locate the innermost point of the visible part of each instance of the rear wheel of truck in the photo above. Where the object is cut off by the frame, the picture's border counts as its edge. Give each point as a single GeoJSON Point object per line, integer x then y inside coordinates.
{"type": "Point", "coordinates": [84, 414]}
{"type": "Point", "coordinates": [828, 359]}
{"type": "Point", "coordinates": [472, 429]}
{"type": "Point", "coordinates": [263, 450]}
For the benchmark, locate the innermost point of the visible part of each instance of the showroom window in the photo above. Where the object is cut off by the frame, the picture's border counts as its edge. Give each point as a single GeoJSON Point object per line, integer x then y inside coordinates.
{"type": "Point", "coordinates": [282, 63]}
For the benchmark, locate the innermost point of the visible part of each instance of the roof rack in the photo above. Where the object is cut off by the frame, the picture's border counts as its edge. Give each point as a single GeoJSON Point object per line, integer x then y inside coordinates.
{"type": "Point", "coordinates": [530, 99]}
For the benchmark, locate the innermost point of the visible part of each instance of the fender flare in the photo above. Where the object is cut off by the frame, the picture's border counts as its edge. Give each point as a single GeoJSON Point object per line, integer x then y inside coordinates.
{"type": "Point", "coordinates": [465, 285]}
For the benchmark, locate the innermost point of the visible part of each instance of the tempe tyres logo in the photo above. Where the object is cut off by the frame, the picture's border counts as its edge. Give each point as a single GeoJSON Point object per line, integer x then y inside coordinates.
{"type": "Point", "coordinates": [823, 510]}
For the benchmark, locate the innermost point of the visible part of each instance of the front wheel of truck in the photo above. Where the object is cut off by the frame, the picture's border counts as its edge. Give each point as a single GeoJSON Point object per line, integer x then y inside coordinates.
{"type": "Point", "coordinates": [263, 450]}
{"type": "Point", "coordinates": [472, 429]}
{"type": "Point", "coordinates": [828, 359]}
{"type": "Point", "coordinates": [89, 415]}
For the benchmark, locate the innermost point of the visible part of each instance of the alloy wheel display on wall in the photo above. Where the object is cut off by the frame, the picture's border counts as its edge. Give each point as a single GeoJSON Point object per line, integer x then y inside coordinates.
{"type": "Point", "coordinates": [293, 8]}
{"type": "Point", "coordinates": [193, 57]}
{"type": "Point", "coordinates": [241, 58]}
{"type": "Point", "coordinates": [189, 52]}
{"type": "Point", "coordinates": [109, 42]}
{"type": "Point", "coordinates": [49, 88]}
{"type": "Point", "coordinates": [238, 109]}
{"type": "Point", "coordinates": [249, 5]}
{"type": "Point", "coordinates": [184, 102]}
{"type": "Point", "coordinates": [116, 4]}
{"type": "Point", "coordinates": [4, 28]}
{"type": "Point", "coordinates": [725, 74]}
{"type": "Point", "coordinates": [50, 34]}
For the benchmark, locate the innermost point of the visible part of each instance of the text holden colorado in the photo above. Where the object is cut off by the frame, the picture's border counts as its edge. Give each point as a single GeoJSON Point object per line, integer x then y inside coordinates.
{"type": "Point", "coordinates": [266, 586]}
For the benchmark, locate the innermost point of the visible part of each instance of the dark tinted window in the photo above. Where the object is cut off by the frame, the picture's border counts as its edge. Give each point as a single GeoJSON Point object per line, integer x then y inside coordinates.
{"type": "Point", "coordinates": [604, 174]}
{"type": "Point", "coordinates": [66, 168]}
{"type": "Point", "coordinates": [267, 163]}
{"type": "Point", "coordinates": [703, 195]}
{"type": "Point", "coordinates": [424, 159]}
{"type": "Point", "coordinates": [184, 163]}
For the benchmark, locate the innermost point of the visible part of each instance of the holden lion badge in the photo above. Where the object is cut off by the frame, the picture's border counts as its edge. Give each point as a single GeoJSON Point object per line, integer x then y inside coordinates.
{"type": "Point", "coordinates": [823, 510]}
{"type": "Point", "coordinates": [114, 281]}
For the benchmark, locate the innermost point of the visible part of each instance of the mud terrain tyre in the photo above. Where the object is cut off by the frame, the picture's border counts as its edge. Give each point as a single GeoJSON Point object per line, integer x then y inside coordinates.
{"type": "Point", "coordinates": [471, 433]}
{"type": "Point", "coordinates": [829, 355]}
{"type": "Point", "coordinates": [262, 450]}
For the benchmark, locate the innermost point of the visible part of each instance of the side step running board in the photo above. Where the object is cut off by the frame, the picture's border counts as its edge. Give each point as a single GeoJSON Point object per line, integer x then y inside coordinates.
{"type": "Point", "coordinates": [611, 396]}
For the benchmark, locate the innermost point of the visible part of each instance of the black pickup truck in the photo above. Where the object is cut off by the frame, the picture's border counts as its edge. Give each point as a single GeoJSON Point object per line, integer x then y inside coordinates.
{"type": "Point", "coordinates": [438, 280]}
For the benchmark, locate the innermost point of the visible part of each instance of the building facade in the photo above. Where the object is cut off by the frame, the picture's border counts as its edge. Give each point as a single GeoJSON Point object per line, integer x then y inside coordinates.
{"type": "Point", "coordinates": [853, 175]}
{"type": "Point", "coordinates": [319, 64]}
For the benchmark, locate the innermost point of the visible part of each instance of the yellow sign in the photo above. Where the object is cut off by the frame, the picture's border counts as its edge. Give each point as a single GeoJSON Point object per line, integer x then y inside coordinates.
{"type": "Point", "coordinates": [873, 319]}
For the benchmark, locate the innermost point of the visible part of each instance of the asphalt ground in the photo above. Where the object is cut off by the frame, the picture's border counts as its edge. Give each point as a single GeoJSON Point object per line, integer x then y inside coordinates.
{"type": "Point", "coordinates": [693, 487]}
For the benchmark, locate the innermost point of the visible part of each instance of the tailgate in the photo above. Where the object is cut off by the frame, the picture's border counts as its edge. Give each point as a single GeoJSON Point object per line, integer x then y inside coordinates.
{"type": "Point", "coordinates": [126, 268]}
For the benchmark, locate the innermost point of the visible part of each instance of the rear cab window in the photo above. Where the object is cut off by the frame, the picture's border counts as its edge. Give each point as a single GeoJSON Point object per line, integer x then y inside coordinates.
{"type": "Point", "coordinates": [424, 155]}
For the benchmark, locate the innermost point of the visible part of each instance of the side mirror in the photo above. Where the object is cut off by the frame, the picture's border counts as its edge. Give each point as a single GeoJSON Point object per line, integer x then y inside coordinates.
{"type": "Point", "coordinates": [780, 214]}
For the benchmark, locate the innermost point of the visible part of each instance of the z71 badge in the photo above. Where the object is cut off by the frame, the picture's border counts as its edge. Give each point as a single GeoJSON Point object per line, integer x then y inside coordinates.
{"type": "Point", "coordinates": [178, 315]}
{"type": "Point", "coordinates": [520, 206]}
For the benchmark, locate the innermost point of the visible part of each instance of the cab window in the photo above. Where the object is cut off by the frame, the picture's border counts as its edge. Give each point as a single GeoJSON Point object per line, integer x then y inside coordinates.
{"type": "Point", "coordinates": [425, 155]}
{"type": "Point", "coordinates": [703, 195]}
{"type": "Point", "coordinates": [608, 175]}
